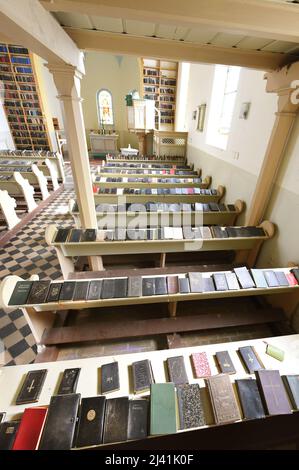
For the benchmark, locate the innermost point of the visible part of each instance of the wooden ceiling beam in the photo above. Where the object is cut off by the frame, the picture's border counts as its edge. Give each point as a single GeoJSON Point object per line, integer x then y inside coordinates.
{"type": "Point", "coordinates": [249, 17]}
{"type": "Point", "coordinates": [116, 43]}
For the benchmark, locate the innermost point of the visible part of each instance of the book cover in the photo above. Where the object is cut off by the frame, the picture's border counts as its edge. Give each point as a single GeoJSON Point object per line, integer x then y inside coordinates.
{"type": "Point", "coordinates": [39, 292]}
{"type": "Point", "coordinates": [69, 381]}
{"type": "Point", "coordinates": [244, 278]}
{"type": "Point", "coordinates": [220, 281]}
{"type": "Point", "coordinates": [54, 292]}
{"type": "Point", "coordinates": [273, 393]}
{"type": "Point", "coordinates": [191, 412]}
{"type": "Point", "coordinates": [142, 375]}
{"type": "Point", "coordinates": [59, 428]}
{"type": "Point", "coordinates": [292, 386]}
{"type": "Point", "coordinates": [162, 409]}
{"type": "Point", "coordinates": [134, 286]}
{"type": "Point", "coordinates": [109, 377]}
{"type": "Point", "coordinates": [250, 399]}
{"type": "Point", "coordinates": [81, 290]}
{"type": "Point", "coordinates": [250, 359]}
{"type": "Point", "coordinates": [108, 289]}
{"type": "Point", "coordinates": [223, 399]}
{"type": "Point", "coordinates": [195, 281]}
{"type": "Point", "coordinates": [184, 287]}
{"type": "Point", "coordinates": [176, 370]}
{"type": "Point", "coordinates": [32, 386]}
{"type": "Point", "coordinates": [160, 286]}
{"type": "Point", "coordinates": [91, 421]}
{"type": "Point", "coordinates": [30, 428]}
{"type": "Point", "coordinates": [148, 286]}
{"type": "Point", "coordinates": [94, 290]}
{"type": "Point", "coordinates": [67, 291]}
{"type": "Point", "coordinates": [259, 278]}
{"type": "Point", "coordinates": [20, 293]}
{"type": "Point", "coordinates": [116, 420]}
{"type": "Point", "coordinates": [224, 362]}
{"type": "Point", "coordinates": [8, 432]}
{"type": "Point", "coordinates": [173, 284]}
{"type": "Point", "coordinates": [138, 419]}
{"type": "Point", "coordinates": [200, 364]}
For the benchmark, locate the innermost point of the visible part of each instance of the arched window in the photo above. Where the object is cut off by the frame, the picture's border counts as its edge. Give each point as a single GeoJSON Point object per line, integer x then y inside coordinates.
{"type": "Point", "coordinates": [105, 107]}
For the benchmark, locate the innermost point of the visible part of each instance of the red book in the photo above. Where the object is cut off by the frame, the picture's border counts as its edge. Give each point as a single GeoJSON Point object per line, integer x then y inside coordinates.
{"type": "Point", "coordinates": [291, 279]}
{"type": "Point", "coordinates": [201, 365]}
{"type": "Point", "coordinates": [190, 190]}
{"type": "Point", "coordinates": [30, 428]}
{"type": "Point", "coordinates": [172, 171]}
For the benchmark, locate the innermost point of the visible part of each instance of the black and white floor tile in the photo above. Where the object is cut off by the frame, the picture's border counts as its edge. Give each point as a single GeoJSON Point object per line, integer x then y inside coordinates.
{"type": "Point", "coordinates": [25, 254]}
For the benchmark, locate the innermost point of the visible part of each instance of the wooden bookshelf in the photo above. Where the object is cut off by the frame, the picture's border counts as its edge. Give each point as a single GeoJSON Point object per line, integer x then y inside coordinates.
{"type": "Point", "coordinates": [159, 83]}
{"type": "Point", "coordinates": [22, 101]}
{"type": "Point", "coordinates": [158, 219]}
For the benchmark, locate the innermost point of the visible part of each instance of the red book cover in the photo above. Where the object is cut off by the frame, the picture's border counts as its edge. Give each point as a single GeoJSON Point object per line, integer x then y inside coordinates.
{"type": "Point", "coordinates": [190, 190]}
{"type": "Point", "coordinates": [291, 279]}
{"type": "Point", "coordinates": [201, 365]}
{"type": "Point", "coordinates": [172, 171]}
{"type": "Point", "coordinates": [30, 428]}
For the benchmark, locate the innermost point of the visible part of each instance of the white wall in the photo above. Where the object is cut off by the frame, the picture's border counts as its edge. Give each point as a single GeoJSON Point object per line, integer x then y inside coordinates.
{"type": "Point", "coordinates": [6, 141]}
{"type": "Point", "coordinates": [248, 138]}
{"type": "Point", "coordinates": [119, 74]}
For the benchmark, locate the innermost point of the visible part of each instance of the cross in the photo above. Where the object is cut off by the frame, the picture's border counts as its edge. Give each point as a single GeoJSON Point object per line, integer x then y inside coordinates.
{"type": "Point", "coordinates": [250, 359]}
{"type": "Point", "coordinates": [29, 389]}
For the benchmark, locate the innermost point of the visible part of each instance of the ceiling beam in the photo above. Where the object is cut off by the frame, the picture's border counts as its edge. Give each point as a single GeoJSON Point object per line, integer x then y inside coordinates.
{"type": "Point", "coordinates": [27, 23]}
{"type": "Point", "coordinates": [117, 43]}
{"type": "Point", "coordinates": [262, 19]}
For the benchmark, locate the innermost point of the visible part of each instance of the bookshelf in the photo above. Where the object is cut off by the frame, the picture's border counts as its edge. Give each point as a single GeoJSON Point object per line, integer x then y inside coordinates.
{"type": "Point", "coordinates": [159, 83]}
{"type": "Point", "coordinates": [22, 99]}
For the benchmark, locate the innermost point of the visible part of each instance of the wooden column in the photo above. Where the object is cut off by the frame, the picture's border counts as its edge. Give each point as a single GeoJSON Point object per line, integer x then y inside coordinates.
{"type": "Point", "coordinates": [67, 79]}
{"type": "Point", "coordinates": [279, 82]}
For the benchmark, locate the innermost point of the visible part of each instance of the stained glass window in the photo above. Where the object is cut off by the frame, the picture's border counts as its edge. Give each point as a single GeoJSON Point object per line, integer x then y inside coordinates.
{"type": "Point", "coordinates": [105, 107]}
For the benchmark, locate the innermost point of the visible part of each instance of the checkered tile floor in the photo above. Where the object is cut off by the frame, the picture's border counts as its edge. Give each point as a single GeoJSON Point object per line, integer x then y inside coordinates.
{"type": "Point", "coordinates": [25, 254]}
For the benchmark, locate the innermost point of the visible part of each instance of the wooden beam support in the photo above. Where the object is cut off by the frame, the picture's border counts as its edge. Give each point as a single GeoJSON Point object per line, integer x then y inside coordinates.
{"type": "Point", "coordinates": [111, 330]}
{"type": "Point", "coordinates": [249, 17]}
{"type": "Point", "coordinates": [116, 43]}
{"type": "Point", "coordinates": [29, 24]}
{"type": "Point", "coordinates": [282, 83]}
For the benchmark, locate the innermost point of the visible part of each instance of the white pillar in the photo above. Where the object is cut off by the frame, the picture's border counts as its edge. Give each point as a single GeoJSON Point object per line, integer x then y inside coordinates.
{"type": "Point", "coordinates": [67, 80]}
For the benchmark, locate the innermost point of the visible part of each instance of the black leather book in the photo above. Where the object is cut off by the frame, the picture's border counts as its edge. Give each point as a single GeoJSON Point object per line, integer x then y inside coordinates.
{"type": "Point", "coordinates": [81, 290]}
{"type": "Point", "coordinates": [91, 421]}
{"type": "Point", "coordinates": [148, 286]}
{"type": "Point", "coordinates": [116, 420]}
{"type": "Point", "coordinates": [134, 286]}
{"type": "Point", "coordinates": [160, 286]}
{"type": "Point", "coordinates": [108, 287]}
{"type": "Point", "coordinates": [219, 232]}
{"type": "Point", "coordinates": [89, 235]}
{"type": "Point", "coordinates": [94, 290]}
{"type": "Point", "coordinates": [138, 419]}
{"type": "Point", "coordinates": [220, 281]}
{"type": "Point", "coordinates": [75, 235]}
{"type": "Point", "coordinates": [291, 383]}
{"type": "Point", "coordinates": [224, 362]}
{"type": "Point", "coordinates": [176, 370]}
{"type": "Point", "coordinates": [109, 377]}
{"type": "Point", "coordinates": [120, 287]}
{"type": "Point", "coordinates": [59, 429]}
{"type": "Point", "coordinates": [250, 398]}
{"type": "Point", "coordinates": [142, 375]}
{"type": "Point", "coordinates": [69, 381]}
{"type": "Point", "coordinates": [271, 279]}
{"type": "Point", "coordinates": [32, 386]}
{"type": "Point", "coordinates": [8, 433]}
{"type": "Point", "coordinates": [38, 293]}
{"type": "Point", "coordinates": [54, 292]}
{"type": "Point", "coordinates": [190, 406]}
{"type": "Point", "coordinates": [184, 287]}
{"type": "Point", "coordinates": [250, 359]}
{"type": "Point", "coordinates": [222, 207]}
{"type": "Point", "coordinates": [244, 278]}
{"type": "Point", "coordinates": [208, 284]}
{"type": "Point", "coordinates": [20, 293]}
{"type": "Point", "coordinates": [231, 207]}
{"type": "Point", "coordinates": [281, 278]}
{"type": "Point", "coordinates": [62, 235]}
{"type": "Point", "coordinates": [232, 281]}
{"type": "Point", "coordinates": [195, 281]}
{"type": "Point", "coordinates": [67, 290]}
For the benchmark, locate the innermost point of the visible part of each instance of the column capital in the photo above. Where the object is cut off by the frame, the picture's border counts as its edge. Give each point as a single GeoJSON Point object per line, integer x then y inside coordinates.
{"type": "Point", "coordinates": [65, 77]}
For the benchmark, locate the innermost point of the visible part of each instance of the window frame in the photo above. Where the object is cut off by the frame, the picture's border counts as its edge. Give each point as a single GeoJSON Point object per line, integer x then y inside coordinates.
{"type": "Point", "coordinates": [99, 110]}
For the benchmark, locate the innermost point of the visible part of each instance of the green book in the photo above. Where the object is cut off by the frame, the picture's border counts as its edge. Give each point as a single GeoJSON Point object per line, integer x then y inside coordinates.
{"type": "Point", "coordinates": [163, 409]}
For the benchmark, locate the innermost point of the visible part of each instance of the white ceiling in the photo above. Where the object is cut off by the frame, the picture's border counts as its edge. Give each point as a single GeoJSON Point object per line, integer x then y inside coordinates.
{"type": "Point", "coordinates": [176, 33]}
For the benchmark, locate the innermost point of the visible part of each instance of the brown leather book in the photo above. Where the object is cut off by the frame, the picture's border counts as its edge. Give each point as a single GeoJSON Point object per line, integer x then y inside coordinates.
{"type": "Point", "coordinates": [223, 399]}
{"type": "Point", "coordinates": [172, 284]}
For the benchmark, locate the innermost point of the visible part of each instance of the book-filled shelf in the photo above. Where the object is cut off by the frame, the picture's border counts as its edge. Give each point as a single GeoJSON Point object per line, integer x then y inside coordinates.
{"type": "Point", "coordinates": [159, 83]}
{"type": "Point", "coordinates": [22, 100]}
{"type": "Point", "coordinates": [188, 397]}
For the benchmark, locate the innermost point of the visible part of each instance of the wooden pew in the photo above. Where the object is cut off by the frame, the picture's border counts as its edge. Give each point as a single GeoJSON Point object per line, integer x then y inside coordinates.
{"type": "Point", "coordinates": [100, 183]}
{"type": "Point", "coordinates": [8, 205]}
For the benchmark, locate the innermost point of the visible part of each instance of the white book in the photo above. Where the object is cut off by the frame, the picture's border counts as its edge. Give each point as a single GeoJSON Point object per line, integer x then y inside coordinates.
{"type": "Point", "coordinates": [177, 233]}
{"type": "Point", "coordinates": [168, 233]}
